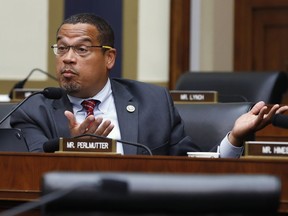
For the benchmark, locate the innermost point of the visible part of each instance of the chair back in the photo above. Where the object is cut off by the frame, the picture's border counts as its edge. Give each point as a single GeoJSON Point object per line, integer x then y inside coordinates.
{"type": "Point", "coordinates": [238, 86]}
{"type": "Point", "coordinates": [208, 123]}
{"type": "Point", "coordinates": [5, 108]}
{"type": "Point", "coordinates": [12, 140]}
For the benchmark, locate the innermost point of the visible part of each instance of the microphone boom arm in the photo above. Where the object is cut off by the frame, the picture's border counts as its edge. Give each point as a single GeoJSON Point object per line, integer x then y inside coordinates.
{"type": "Point", "coordinates": [17, 106]}
{"type": "Point", "coordinates": [49, 92]}
{"type": "Point", "coordinates": [22, 82]}
{"type": "Point", "coordinates": [121, 141]}
{"type": "Point", "coordinates": [42, 71]}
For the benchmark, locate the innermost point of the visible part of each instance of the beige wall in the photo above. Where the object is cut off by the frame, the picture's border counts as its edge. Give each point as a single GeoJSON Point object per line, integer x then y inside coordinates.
{"type": "Point", "coordinates": [153, 41]}
{"type": "Point", "coordinates": [130, 39]}
{"type": "Point", "coordinates": [23, 38]}
{"type": "Point", "coordinates": [145, 39]}
{"type": "Point", "coordinates": [215, 41]}
{"type": "Point", "coordinates": [36, 52]}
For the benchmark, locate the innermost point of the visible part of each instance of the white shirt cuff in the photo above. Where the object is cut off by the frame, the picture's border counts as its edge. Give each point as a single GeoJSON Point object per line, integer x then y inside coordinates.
{"type": "Point", "coordinates": [227, 150]}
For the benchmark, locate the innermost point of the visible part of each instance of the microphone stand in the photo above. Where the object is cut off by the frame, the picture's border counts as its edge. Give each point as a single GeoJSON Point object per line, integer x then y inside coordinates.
{"type": "Point", "coordinates": [42, 71]}
{"type": "Point", "coordinates": [22, 83]}
{"type": "Point", "coordinates": [121, 141]}
{"type": "Point", "coordinates": [17, 106]}
{"type": "Point", "coordinates": [49, 92]}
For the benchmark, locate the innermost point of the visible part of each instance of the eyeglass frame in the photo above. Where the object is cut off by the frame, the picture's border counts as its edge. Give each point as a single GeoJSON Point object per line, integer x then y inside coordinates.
{"type": "Point", "coordinates": [55, 47]}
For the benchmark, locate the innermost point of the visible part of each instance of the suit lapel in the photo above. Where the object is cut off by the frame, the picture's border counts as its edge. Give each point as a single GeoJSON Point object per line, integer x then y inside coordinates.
{"type": "Point", "coordinates": [59, 107]}
{"type": "Point", "coordinates": [127, 113]}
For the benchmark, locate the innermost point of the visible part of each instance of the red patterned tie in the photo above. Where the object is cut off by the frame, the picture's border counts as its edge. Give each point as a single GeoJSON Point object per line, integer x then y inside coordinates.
{"type": "Point", "coordinates": [89, 106]}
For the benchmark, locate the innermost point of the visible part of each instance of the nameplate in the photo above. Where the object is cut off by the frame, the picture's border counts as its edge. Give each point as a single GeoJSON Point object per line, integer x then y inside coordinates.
{"type": "Point", "coordinates": [87, 145]}
{"type": "Point", "coordinates": [266, 148]}
{"type": "Point", "coordinates": [180, 96]}
{"type": "Point", "coordinates": [20, 94]}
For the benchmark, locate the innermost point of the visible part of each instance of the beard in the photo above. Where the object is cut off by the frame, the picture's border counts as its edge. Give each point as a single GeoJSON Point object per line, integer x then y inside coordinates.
{"type": "Point", "coordinates": [70, 86]}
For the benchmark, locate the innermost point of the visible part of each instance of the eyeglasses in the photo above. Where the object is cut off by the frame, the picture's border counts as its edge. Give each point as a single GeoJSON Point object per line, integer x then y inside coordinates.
{"type": "Point", "coordinates": [81, 50]}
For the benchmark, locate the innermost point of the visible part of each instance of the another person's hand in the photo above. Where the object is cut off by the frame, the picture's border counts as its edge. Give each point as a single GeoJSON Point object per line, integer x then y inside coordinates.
{"type": "Point", "coordinates": [252, 121]}
{"type": "Point", "coordinates": [90, 125]}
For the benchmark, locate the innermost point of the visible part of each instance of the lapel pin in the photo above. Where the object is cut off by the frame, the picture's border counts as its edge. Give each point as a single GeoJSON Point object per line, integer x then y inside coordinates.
{"type": "Point", "coordinates": [130, 108]}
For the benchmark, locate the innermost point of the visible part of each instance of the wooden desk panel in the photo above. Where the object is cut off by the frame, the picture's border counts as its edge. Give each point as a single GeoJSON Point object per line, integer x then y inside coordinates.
{"type": "Point", "coordinates": [22, 172]}
{"type": "Point", "coordinates": [272, 133]}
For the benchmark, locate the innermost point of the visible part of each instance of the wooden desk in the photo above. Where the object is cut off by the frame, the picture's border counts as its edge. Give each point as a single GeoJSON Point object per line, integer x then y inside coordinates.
{"type": "Point", "coordinates": [22, 172]}
{"type": "Point", "coordinates": [272, 133]}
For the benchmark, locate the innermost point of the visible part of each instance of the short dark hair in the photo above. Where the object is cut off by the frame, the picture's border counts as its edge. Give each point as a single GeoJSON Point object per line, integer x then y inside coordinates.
{"type": "Point", "coordinates": [106, 34]}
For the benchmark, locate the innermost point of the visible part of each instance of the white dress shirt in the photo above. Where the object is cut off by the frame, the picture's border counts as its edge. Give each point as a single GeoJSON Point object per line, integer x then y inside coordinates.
{"type": "Point", "coordinates": [227, 150]}
{"type": "Point", "coordinates": [106, 109]}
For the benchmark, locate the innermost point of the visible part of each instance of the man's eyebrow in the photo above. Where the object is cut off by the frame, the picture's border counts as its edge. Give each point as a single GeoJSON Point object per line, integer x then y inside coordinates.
{"type": "Point", "coordinates": [85, 39]}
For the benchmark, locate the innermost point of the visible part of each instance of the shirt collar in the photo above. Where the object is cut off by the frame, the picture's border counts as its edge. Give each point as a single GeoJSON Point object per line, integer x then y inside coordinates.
{"type": "Point", "coordinates": [102, 96]}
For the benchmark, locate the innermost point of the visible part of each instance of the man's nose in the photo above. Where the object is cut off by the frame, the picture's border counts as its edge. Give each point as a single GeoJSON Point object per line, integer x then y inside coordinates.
{"type": "Point", "coordinates": [70, 56]}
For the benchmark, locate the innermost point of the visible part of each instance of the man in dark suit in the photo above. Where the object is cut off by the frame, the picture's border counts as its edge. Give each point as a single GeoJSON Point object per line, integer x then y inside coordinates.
{"type": "Point", "coordinates": [124, 109]}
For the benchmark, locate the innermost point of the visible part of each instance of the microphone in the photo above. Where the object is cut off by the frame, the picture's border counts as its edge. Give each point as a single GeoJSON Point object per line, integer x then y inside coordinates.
{"type": "Point", "coordinates": [49, 92]}
{"type": "Point", "coordinates": [280, 120]}
{"type": "Point", "coordinates": [105, 187]}
{"type": "Point", "coordinates": [21, 83]}
{"type": "Point", "coordinates": [44, 200]}
{"type": "Point", "coordinates": [53, 145]}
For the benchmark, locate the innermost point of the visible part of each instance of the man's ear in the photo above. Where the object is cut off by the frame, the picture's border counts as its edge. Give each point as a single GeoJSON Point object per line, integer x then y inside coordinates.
{"type": "Point", "coordinates": [110, 57]}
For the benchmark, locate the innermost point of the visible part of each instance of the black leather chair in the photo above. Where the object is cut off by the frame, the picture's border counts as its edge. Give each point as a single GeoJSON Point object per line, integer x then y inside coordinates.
{"type": "Point", "coordinates": [11, 139]}
{"type": "Point", "coordinates": [238, 86]}
{"type": "Point", "coordinates": [208, 123]}
{"type": "Point", "coordinates": [5, 108]}
{"type": "Point", "coordinates": [75, 193]}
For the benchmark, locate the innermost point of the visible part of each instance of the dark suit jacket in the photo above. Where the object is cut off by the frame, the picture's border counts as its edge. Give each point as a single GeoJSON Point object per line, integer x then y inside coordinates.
{"type": "Point", "coordinates": [154, 123]}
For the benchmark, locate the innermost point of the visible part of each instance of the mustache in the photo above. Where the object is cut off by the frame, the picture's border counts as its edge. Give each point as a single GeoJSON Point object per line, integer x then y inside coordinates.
{"type": "Point", "coordinates": [70, 70]}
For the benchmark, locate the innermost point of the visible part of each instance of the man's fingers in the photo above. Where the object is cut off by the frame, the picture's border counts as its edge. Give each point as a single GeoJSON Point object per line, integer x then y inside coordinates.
{"type": "Point", "coordinates": [71, 119]}
{"type": "Point", "coordinates": [90, 125]}
{"type": "Point", "coordinates": [271, 112]}
{"type": "Point", "coordinates": [257, 108]}
{"type": "Point", "coordinates": [108, 130]}
{"type": "Point", "coordinates": [87, 125]}
{"type": "Point", "coordinates": [282, 110]}
{"type": "Point", "coordinates": [105, 128]}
